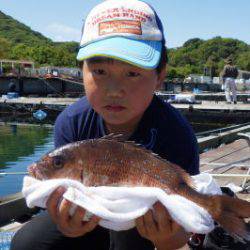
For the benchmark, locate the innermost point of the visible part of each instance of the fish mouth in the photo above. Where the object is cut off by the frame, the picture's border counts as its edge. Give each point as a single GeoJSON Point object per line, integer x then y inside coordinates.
{"type": "Point", "coordinates": [34, 172]}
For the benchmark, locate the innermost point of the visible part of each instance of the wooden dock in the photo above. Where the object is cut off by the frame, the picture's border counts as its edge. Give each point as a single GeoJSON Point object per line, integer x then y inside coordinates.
{"type": "Point", "coordinates": [208, 112]}
{"type": "Point", "coordinates": [242, 96]}
{"type": "Point", "coordinates": [63, 101]}
{"type": "Point", "coordinates": [230, 162]}
{"type": "Point", "coordinates": [204, 105]}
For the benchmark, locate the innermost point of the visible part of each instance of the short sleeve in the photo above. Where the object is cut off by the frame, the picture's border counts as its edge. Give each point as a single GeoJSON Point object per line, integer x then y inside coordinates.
{"type": "Point", "coordinates": [63, 130]}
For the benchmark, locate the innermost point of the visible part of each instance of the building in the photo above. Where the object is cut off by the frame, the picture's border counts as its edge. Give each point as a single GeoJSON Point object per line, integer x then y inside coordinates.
{"type": "Point", "coordinates": [15, 64]}
{"type": "Point", "coordinates": [243, 74]}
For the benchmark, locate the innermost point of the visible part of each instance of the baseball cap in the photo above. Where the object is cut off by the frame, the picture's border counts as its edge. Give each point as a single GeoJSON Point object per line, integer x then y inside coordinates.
{"type": "Point", "coordinates": [126, 30]}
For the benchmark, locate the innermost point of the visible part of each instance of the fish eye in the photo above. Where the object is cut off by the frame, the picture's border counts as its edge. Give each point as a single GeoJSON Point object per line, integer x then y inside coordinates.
{"type": "Point", "coordinates": [57, 162]}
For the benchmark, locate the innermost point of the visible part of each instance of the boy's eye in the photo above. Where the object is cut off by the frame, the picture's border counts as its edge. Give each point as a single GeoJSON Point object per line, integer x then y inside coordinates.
{"type": "Point", "coordinates": [99, 71]}
{"type": "Point", "coordinates": [133, 74]}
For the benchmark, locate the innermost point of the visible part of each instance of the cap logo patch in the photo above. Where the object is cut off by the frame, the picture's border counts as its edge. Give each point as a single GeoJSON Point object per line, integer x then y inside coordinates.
{"type": "Point", "coordinates": [120, 26]}
{"type": "Point", "coordinates": [120, 13]}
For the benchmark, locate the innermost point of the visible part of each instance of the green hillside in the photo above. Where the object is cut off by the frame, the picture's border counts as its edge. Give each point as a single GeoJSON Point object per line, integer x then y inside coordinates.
{"type": "Point", "coordinates": [16, 32]}
{"type": "Point", "coordinates": [20, 42]}
{"type": "Point", "coordinates": [196, 54]}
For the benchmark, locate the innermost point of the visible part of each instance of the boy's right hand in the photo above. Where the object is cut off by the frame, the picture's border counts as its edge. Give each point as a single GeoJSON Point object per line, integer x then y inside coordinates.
{"type": "Point", "coordinates": [70, 226]}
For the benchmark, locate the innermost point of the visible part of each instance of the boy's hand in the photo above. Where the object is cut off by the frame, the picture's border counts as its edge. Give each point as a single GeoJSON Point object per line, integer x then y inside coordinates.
{"type": "Point", "coordinates": [161, 230]}
{"type": "Point", "coordinates": [70, 226]}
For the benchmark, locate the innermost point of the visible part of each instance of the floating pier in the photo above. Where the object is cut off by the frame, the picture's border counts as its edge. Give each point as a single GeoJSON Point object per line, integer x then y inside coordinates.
{"type": "Point", "coordinates": [41, 86]}
{"type": "Point", "coordinates": [230, 166]}
{"type": "Point", "coordinates": [205, 112]}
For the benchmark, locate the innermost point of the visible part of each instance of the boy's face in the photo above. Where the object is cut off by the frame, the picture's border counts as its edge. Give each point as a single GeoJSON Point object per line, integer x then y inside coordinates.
{"type": "Point", "coordinates": [118, 91]}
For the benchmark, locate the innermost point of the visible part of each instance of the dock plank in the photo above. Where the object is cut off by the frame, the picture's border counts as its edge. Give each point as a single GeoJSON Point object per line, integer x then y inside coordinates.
{"type": "Point", "coordinates": [225, 152]}
{"type": "Point", "coordinates": [233, 158]}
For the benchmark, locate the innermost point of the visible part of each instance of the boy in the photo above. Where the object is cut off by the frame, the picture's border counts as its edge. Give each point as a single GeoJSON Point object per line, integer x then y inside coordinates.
{"type": "Point", "coordinates": [124, 61]}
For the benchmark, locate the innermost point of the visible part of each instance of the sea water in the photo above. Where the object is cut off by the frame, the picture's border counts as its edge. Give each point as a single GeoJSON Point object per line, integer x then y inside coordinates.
{"type": "Point", "coordinates": [20, 145]}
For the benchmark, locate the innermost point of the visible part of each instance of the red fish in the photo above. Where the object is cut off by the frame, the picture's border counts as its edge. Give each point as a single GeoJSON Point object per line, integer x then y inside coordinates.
{"type": "Point", "coordinates": [109, 161]}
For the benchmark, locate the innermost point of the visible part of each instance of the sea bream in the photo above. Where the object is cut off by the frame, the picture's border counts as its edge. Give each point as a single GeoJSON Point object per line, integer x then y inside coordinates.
{"type": "Point", "coordinates": [109, 161]}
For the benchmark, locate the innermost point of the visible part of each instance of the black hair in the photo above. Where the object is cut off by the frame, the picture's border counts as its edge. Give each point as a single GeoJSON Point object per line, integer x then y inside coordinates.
{"type": "Point", "coordinates": [163, 60]}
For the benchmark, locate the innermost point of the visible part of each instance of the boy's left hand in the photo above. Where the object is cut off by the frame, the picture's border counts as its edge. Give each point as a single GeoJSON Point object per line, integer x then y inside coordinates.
{"type": "Point", "coordinates": [161, 230]}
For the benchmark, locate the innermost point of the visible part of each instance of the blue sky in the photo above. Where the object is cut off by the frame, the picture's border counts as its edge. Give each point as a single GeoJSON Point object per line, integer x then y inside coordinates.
{"type": "Point", "coordinates": [182, 19]}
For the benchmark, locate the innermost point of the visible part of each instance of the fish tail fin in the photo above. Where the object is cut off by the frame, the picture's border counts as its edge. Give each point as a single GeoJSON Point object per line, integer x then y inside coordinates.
{"type": "Point", "coordinates": [230, 213]}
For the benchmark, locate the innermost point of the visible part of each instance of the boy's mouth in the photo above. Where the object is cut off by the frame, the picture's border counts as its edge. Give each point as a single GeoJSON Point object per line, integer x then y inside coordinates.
{"type": "Point", "coordinates": [114, 108]}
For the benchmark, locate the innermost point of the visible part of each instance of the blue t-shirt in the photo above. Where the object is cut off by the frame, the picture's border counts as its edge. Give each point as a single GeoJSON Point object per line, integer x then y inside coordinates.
{"type": "Point", "coordinates": [162, 129]}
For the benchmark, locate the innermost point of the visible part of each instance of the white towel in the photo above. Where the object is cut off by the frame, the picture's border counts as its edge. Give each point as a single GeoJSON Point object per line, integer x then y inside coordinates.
{"type": "Point", "coordinates": [120, 206]}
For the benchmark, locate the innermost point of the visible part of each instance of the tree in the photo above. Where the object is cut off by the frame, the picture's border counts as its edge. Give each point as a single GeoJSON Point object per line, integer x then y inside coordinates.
{"type": "Point", "coordinates": [243, 61]}
{"type": "Point", "coordinates": [5, 48]}
{"type": "Point", "coordinates": [43, 55]}
{"type": "Point", "coordinates": [193, 43]}
{"type": "Point", "coordinates": [21, 52]}
{"type": "Point", "coordinates": [197, 54]}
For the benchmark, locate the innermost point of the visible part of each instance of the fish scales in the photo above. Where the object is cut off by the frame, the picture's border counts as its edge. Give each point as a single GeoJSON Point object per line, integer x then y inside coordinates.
{"type": "Point", "coordinates": [121, 163]}
{"type": "Point", "coordinates": [110, 161]}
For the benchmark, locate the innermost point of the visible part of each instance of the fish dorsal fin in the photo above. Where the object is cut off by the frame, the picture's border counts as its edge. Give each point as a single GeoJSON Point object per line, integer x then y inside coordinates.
{"type": "Point", "coordinates": [113, 137]}
{"type": "Point", "coordinates": [120, 138]}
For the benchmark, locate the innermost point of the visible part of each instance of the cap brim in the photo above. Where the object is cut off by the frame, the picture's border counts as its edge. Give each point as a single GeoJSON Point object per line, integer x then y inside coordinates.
{"type": "Point", "coordinates": [143, 54]}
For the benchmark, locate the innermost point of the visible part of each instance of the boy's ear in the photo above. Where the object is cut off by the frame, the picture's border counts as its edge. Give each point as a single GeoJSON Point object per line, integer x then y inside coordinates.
{"type": "Point", "coordinates": [161, 77]}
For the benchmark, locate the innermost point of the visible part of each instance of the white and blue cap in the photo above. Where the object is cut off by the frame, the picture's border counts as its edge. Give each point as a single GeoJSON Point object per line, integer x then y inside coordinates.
{"type": "Point", "coordinates": [126, 30]}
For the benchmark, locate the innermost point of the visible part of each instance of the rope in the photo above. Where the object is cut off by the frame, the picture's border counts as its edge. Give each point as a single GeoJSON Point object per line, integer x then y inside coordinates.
{"type": "Point", "coordinates": [13, 173]}
{"type": "Point", "coordinates": [220, 130]}
{"type": "Point", "coordinates": [231, 175]}
{"type": "Point", "coordinates": [50, 86]}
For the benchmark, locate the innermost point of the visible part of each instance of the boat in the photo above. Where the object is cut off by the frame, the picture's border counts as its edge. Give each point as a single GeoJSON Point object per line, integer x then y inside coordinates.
{"type": "Point", "coordinates": [13, 213]}
{"type": "Point", "coordinates": [13, 208]}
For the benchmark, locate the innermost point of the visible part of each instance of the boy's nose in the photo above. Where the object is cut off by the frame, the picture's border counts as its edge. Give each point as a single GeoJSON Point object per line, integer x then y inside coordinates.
{"type": "Point", "coordinates": [115, 89]}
